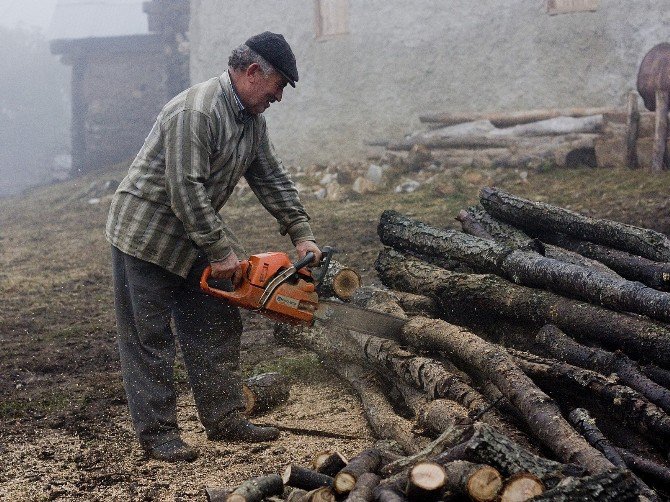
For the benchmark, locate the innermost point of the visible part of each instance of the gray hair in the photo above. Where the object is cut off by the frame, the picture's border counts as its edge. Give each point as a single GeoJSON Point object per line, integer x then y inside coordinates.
{"type": "Point", "coordinates": [242, 57]}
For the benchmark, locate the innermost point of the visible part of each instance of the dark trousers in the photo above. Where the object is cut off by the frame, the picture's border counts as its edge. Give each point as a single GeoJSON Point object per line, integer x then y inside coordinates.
{"type": "Point", "coordinates": [147, 299]}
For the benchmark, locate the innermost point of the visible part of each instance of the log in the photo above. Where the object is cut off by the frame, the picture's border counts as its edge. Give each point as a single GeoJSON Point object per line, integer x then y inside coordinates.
{"type": "Point", "coordinates": [523, 267]}
{"type": "Point", "coordinates": [645, 467]}
{"type": "Point", "coordinates": [439, 414]}
{"type": "Point", "coordinates": [486, 446]}
{"type": "Point", "coordinates": [539, 216]}
{"type": "Point", "coordinates": [632, 131]}
{"type": "Point", "coordinates": [517, 239]}
{"type": "Point", "coordinates": [216, 493]}
{"type": "Point", "coordinates": [296, 495]}
{"type": "Point", "coordinates": [508, 119]}
{"type": "Point", "coordinates": [480, 482]}
{"type": "Point", "coordinates": [366, 461]}
{"type": "Point", "coordinates": [384, 492]}
{"type": "Point", "coordinates": [586, 425]}
{"type": "Point", "coordinates": [339, 281]}
{"type": "Point", "coordinates": [521, 487]}
{"type": "Point", "coordinates": [306, 479]}
{"type": "Point", "coordinates": [658, 375]}
{"type": "Point", "coordinates": [616, 485]}
{"type": "Point", "coordinates": [488, 295]}
{"type": "Point", "coordinates": [432, 378]}
{"type": "Point", "coordinates": [470, 142]}
{"type": "Point", "coordinates": [558, 345]}
{"type": "Point", "coordinates": [553, 127]}
{"type": "Point", "coordinates": [323, 494]}
{"type": "Point", "coordinates": [632, 267]}
{"type": "Point", "coordinates": [330, 463]}
{"type": "Point", "coordinates": [631, 407]}
{"type": "Point", "coordinates": [542, 416]}
{"type": "Point", "coordinates": [264, 392]}
{"type": "Point", "coordinates": [256, 489]}
{"type": "Point", "coordinates": [364, 488]}
{"type": "Point", "coordinates": [659, 157]}
{"type": "Point", "coordinates": [426, 482]}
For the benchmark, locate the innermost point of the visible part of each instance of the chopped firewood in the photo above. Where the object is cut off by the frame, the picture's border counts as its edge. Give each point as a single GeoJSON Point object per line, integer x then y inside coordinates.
{"type": "Point", "coordinates": [426, 481]}
{"type": "Point", "coordinates": [539, 216]}
{"type": "Point", "coordinates": [323, 494]}
{"type": "Point", "coordinates": [364, 487]}
{"type": "Point", "coordinates": [339, 281]}
{"type": "Point", "coordinates": [489, 295]}
{"type": "Point", "coordinates": [521, 487]}
{"type": "Point", "coordinates": [256, 489]}
{"type": "Point", "coordinates": [329, 463]}
{"type": "Point", "coordinates": [479, 482]}
{"type": "Point", "coordinates": [524, 267]}
{"type": "Point", "coordinates": [296, 495]}
{"type": "Point", "coordinates": [438, 414]}
{"type": "Point", "coordinates": [307, 479]}
{"type": "Point", "coordinates": [366, 461]}
{"type": "Point", "coordinates": [386, 492]}
{"type": "Point", "coordinates": [264, 392]}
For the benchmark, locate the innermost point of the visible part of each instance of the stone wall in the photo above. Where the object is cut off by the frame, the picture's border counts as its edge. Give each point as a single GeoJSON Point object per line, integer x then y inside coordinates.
{"type": "Point", "coordinates": [401, 59]}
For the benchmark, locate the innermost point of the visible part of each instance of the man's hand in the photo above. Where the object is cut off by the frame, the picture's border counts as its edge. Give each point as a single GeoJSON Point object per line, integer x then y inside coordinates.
{"type": "Point", "coordinates": [227, 269]}
{"type": "Point", "coordinates": [305, 247]}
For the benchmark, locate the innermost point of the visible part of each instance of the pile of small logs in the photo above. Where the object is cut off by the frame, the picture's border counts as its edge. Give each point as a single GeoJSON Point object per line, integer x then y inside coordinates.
{"type": "Point", "coordinates": [533, 364]}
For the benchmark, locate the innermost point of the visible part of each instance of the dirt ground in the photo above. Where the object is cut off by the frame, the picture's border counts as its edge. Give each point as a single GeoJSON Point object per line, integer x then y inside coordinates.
{"type": "Point", "coordinates": [64, 428]}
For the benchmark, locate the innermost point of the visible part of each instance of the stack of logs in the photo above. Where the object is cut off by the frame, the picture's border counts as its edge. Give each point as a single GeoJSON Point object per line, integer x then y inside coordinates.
{"type": "Point", "coordinates": [534, 363]}
{"type": "Point", "coordinates": [562, 137]}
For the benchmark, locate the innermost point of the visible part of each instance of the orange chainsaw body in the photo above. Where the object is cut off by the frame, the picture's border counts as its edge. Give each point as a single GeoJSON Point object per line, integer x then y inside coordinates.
{"type": "Point", "coordinates": [291, 298]}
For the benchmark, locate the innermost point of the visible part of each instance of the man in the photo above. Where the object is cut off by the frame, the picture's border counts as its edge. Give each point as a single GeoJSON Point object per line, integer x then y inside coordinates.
{"type": "Point", "coordinates": [165, 228]}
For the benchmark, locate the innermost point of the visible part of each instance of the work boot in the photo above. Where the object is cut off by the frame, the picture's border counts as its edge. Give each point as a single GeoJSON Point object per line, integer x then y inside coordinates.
{"type": "Point", "coordinates": [175, 450]}
{"type": "Point", "coordinates": [238, 428]}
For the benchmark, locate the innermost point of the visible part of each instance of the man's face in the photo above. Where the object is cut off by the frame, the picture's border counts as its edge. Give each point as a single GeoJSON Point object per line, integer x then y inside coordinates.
{"type": "Point", "coordinates": [263, 89]}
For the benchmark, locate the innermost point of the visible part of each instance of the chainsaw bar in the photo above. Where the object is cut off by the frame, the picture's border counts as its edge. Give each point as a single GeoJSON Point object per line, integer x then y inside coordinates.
{"type": "Point", "coordinates": [359, 319]}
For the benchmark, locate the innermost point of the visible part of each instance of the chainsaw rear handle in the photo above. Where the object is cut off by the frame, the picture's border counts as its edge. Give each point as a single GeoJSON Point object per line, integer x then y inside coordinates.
{"type": "Point", "coordinates": [220, 293]}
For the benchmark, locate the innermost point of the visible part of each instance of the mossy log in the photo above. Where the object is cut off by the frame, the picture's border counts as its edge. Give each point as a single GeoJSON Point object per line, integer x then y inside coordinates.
{"type": "Point", "coordinates": [528, 268]}
{"type": "Point", "coordinates": [486, 446]}
{"type": "Point", "coordinates": [491, 296]}
{"type": "Point", "coordinates": [562, 379]}
{"type": "Point", "coordinates": [558, 345]}
{"type": "Point", "coordinates": [539, 216]}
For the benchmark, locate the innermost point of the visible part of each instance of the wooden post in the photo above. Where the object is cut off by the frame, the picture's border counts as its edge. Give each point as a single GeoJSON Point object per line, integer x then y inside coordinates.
{"type": "Point", "coordinates": [633, 127]}
{"type": "Point", "coordinates": [661, 137]}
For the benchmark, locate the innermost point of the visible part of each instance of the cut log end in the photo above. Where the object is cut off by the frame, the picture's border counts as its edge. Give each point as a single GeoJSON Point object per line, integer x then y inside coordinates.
{"type": "Point", "coordinates": [428, 476]}
{"type": "Point", "coordinates": [345, 283]}
{"type": "Point", "coordinates": [521, 487]}
{"type": "Point", "coordinates": [484, 484]}
{"type": "Point", "coordinates": [344, 482]}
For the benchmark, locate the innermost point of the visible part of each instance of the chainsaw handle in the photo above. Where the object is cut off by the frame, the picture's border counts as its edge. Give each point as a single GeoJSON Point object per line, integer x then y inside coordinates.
{"type": "Point", "coordinates": [326, 254]}
{"type": "Point", "coordinates": [220, 293]}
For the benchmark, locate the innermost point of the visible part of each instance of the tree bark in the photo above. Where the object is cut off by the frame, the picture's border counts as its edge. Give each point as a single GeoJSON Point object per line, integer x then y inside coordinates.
{"type": "Point", "coordinates": [264, 392]}
{"type": "Point", "coordinates": [616, 485]}
{"type": "Point", "coordinates": [439, 414]}
{"type": "Point", "coordinates": [366, 461]}
{"type": "Point", "coordinates": [632, 267]}
{"type": "Point", "coordinates": [526, 268]}
{"type": "Point", "coordinates": [491, 296]}
{"type": "Point", "coordinates": [508, 119]}
{"type": "Point", "coordinates": [556, 344]}
{"type": "Point", "coordinates": [646, 467]}
{"type": "Point", "coordinates": [480, 482]}
{"type": "Point", "coordinates": [306, 479]}
{"type": "Point", "coordinates": [631, 407]}
{"type": "Point", "coordinates": [384, 492]}
{"type": "Point", "coordinates": [255, 490]}
{"type": "Point", "coordinates": [542, 415]}
{"type": "Point", "coordinates": [539, 216]}
{"type": "Point", "coordinates": [486, 446]}
{"type": "Point", "coordinates": [364, 488]}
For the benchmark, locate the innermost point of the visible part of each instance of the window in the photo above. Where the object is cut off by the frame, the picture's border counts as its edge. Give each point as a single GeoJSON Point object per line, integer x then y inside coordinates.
{"type": "Point", "coordinates": [332, 18]}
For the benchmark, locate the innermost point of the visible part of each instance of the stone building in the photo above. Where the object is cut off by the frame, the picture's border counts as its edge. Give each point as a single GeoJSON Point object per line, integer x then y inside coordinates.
{"type": "Point", "coordinates": [369, 68]}
{"type": "Point", "coordinates": [128, 59]}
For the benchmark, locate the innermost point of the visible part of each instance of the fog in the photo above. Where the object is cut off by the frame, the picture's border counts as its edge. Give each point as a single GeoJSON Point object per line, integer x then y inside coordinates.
{"type": "Point", "coordinates": [34, 98]}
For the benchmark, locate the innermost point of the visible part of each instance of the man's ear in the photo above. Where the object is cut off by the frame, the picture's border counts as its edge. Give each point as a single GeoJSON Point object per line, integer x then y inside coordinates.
{"type": "Point", "coordinates": [253, 71]}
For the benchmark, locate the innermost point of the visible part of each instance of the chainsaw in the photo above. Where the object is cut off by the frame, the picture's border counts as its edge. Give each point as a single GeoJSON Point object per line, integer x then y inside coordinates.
{"type": "Point", "coordinates": [274, 287]}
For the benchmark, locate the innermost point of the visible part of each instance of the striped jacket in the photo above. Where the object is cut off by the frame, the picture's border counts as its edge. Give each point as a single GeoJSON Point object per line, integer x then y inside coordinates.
{"type": "Point", "coordinates": [167, 208]}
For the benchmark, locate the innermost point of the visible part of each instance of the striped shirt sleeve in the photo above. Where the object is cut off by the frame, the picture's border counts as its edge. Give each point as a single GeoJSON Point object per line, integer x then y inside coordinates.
{"type": "Point", "coordinates": [187, 167]}
{"type": "Point", "coordinates": [274, 188]}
